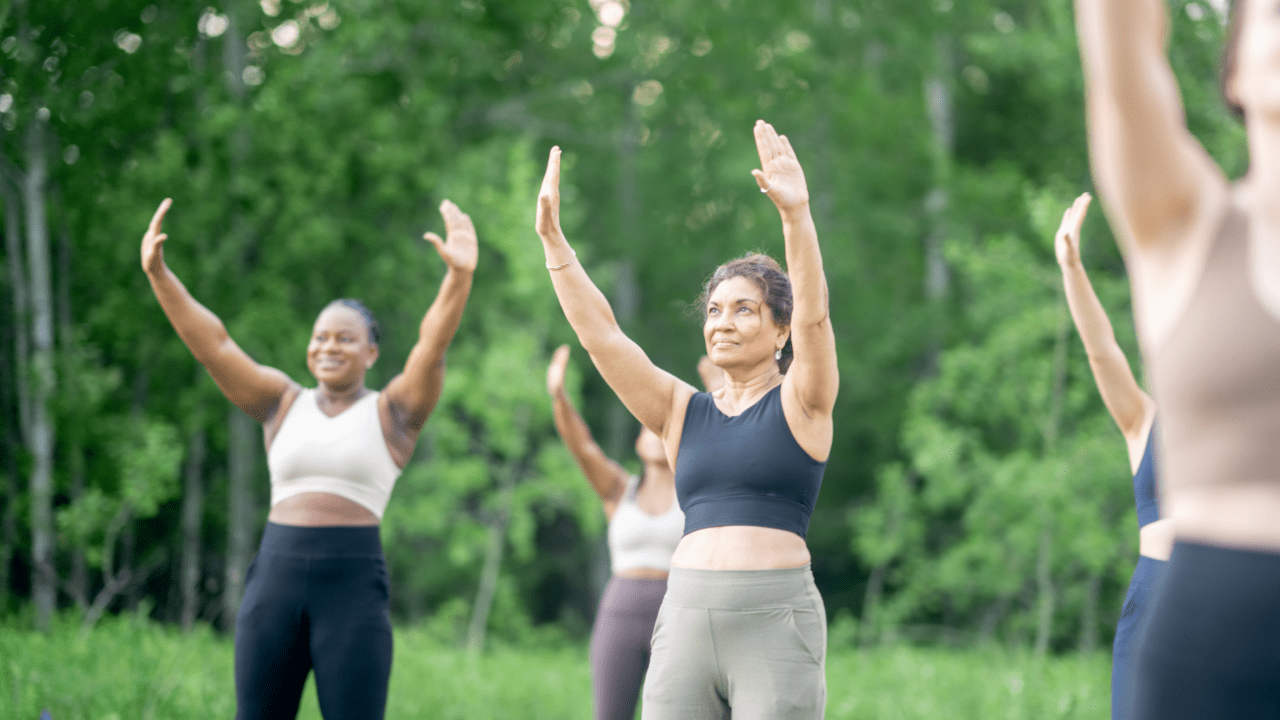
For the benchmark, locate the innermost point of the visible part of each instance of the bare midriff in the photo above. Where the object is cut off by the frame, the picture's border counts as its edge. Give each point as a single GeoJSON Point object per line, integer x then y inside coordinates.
{"type": "Point", "coordinates": [1243, 515]}
{"type": "Point", "coordinates": [643, 573]}
{"type": "Point", "coordinates": [1155, 539]}
{"type": "Point", "coordinates": [319, 509]}
{"type": "Point", "coordinates": [740, 547]}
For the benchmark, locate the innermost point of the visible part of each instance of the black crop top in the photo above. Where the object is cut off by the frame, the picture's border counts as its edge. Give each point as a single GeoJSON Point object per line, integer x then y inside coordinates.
{"type": "Point", "coordinates": [1144, 483]}
{"type": "Point", "coordinates": [744, 470]}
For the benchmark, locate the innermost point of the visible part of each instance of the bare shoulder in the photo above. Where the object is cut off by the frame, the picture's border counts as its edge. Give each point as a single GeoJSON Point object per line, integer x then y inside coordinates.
{"type": "Point", "coordinates": [674, 429]}
{"type": "Point", "coordinates": [271, 427]}
{"type": "Point", "coordinates": [1164, 275]}
{"type": "Point", "coordinates": [812, 429]}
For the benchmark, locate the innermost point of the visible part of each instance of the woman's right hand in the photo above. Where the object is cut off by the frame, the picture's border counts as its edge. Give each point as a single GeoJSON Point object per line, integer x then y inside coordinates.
{"type": "Point", "coordinates": [548, 217]}
{"type": "Point", "coordinates": [556, 370]}
{"type": "Point", "coordinates": [153, 240]}
{"type": "Point", "coordinates": [1067, 242]}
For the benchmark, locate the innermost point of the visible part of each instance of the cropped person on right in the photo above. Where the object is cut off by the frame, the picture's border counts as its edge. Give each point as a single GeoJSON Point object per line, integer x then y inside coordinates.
{"type": "Point", "coordinates": [1204, 261]}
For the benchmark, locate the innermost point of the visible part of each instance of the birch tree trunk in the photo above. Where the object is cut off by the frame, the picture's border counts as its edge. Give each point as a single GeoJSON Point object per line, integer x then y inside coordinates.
{"type": "Point", "coordinates": [15, 377]}
{"type": "Point", "coordinates": [44, 378]}
{"type": "Point", "coordinates": [1045, 591]}
{"type": "Point", "coordinates": [78, 580]}
{"type": "Point", "coordinates": [241, 444]}
{"type": "Point", "coordinates": [192, 515]}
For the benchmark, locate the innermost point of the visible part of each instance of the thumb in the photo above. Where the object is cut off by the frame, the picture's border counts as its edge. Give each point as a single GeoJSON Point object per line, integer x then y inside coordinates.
{"type": "Point", "coordinates": [436, 240]}
{"type": "Point", "coordinates": [761, 180]}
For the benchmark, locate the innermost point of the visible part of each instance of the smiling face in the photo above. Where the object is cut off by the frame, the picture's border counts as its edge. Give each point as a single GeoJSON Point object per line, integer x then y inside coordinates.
{"type": "Point", "coordinates": [1255, 78]}
{"type": "Point", "coordinates": [740, 330]}
{"type": "Point", "coordinates": [340, 353]}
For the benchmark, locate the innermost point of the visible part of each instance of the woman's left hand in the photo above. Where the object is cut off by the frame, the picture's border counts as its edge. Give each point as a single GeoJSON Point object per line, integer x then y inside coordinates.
{"type": "Point", "coordinates": [460, 251]}
{"type": "Point", "coordinates": [780, 176]}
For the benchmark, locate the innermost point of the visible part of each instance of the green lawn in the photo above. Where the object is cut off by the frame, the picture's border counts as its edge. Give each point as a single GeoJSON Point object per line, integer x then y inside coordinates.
{"type": "Point", "coordinates": [127, 670]}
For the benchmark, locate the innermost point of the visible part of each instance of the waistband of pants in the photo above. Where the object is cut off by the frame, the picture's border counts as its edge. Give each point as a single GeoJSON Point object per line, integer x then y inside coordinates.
{"type": "Point", "coordinates": [324, 541]}
{"type": "Point", "coordinates": [739, 589]}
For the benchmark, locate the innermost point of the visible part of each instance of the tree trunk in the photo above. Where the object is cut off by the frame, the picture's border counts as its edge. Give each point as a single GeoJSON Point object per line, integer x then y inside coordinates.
{"type": "Point", "coordinates": [937, 92]}
{"type": "Point", "coordinates": [241, 457]}
{"type": "Point", "coordinates": [78, 581]}
{"type": "Point", "coordinates": [1046, 598]}
{"type": "Point", "coordinates": [192, 515]}
{"type": "Point", "coordinates": [1089, 614]}
{"type": "Point", "coordinates": [44, 380]}
{"type": "Point", "coordinates": [17, 373]}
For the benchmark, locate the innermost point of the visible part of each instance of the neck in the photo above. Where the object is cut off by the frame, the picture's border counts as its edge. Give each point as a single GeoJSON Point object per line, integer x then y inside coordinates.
{"type": "Point", "coordinates": [1262, 183]}
{"type": "Point", "coordinates": [338, 394]}
{"type": "Point", "coordinates": [749, 384]}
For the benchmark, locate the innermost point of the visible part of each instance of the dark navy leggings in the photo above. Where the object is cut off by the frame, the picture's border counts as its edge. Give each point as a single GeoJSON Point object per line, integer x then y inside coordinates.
{"type": "Point", "coordinates": [1212, 645]}
{"type": "Point", "coordinates": [1147, 577]}
{"type": "Point", "coordinates": [315, 598]}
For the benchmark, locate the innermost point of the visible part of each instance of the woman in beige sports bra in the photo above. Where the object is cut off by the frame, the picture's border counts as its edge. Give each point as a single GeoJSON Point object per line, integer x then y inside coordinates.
{"type": "Point", "coordinates": [645, 524]}
{"type": "Point", "coordinates": [1204, 261]}
{"type": "Point", "coordinates": [316, 595]}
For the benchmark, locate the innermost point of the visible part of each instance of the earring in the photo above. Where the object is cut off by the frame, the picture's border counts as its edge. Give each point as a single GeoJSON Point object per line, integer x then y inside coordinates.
{"type": "Point", "coordinates": [777, 355]}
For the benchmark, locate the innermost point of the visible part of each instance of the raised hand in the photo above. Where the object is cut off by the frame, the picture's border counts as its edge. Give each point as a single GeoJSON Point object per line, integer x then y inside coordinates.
{"type": "Point", "coordinates": [460, 250]}
{"type": "Point", "coordinates": [780, 176]}
{"type": "Point", "coordinates": [1067, 241]}
{"type": "Point", "coordinates": [555, 371]}
{"type": "Point", "coordinates": [548, 218]}
{"type": "Point", "coordinates": [153, 240]}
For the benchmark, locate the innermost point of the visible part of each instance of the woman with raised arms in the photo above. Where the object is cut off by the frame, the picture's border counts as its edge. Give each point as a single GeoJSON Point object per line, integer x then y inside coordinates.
{"type": "Point", "coordinates": [317, 594]}
{"type": "Point", "coordinates": [1204, 261]}
{"type": "Point", "coordinates": [1135, 414]}
{"type": "Point", "coordinates": [742, 629]}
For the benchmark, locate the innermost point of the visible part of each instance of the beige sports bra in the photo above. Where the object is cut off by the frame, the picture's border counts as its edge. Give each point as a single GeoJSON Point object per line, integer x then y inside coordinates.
{"type": "Point", "coordinates": [345, 455]}
{"type": "Point", "coordinates": [640, 540]}
{"type": "Point", "coordinates": [1217, 377]}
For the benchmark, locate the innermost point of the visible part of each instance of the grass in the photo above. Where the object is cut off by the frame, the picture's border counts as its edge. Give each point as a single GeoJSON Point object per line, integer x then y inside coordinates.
{"type": "Point", "coordinates": [131, 669]}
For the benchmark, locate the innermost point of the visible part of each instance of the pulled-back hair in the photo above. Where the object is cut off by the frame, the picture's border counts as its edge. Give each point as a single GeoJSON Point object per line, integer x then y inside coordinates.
{"type": "Point", "coordinates": [366, 314]}
{"type": "Point", "coordinates": [773, 282]}
{"type": "Point", "coordinates": [1230, 56]}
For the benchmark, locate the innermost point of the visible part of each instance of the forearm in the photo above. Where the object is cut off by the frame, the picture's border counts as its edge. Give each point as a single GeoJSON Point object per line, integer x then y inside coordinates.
{"type": "Point", "coordinates": [440, 324]}
{"type": "Point", "coordinates": [804, 268]}
{"type": "Point", "coordinates": [201, 330]}
{"type": "Point", "coordinates": [585, 307]}
{"type": "Point", "coordinates": [572, 428]}
{"type": "Point", "coordinates": [1092, 323]}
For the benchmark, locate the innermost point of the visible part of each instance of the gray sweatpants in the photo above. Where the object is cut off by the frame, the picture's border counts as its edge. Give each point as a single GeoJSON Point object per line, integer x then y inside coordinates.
{"type": "Point", "coordinates": [741, 644]}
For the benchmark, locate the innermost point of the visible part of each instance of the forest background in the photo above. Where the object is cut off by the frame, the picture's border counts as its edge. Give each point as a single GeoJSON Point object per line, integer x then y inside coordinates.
{"type": "Point", "coordinates": [977, 490]}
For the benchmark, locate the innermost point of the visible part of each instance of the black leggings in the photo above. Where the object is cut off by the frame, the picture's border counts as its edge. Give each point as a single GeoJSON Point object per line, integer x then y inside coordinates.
{"type": "Point", "coordinates": [314, 597]}
{"type": "Point", "coordinates": [620, 644]}
{"type": "Point", "coordinates": [1147, 578]}
{"type": "Point", "coordinates": [1212, 648]}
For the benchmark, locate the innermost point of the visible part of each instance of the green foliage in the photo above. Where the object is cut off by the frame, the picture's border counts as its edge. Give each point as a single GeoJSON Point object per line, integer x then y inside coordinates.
{"type": "Point", "coordinates": [128, 668]}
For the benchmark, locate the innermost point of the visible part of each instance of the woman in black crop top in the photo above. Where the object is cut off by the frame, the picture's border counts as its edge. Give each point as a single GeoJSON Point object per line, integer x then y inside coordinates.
{"type": "Point", "coordinates": [1135, 413]}
{"type": "Point", "coordinates": [742, 625]}
{"type": "Point", "coordinates": [1203, 254]}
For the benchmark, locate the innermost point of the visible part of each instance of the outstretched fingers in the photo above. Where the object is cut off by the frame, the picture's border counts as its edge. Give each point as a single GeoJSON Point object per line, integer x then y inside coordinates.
{"type": "Point", "coordinates": [551, 180]}
{"type": "Point", "coordinates": [158, 218]}
{"type": "Point", "coordinates": [556, 370]}
{"type": "Point", "coordinates": [547, 221]}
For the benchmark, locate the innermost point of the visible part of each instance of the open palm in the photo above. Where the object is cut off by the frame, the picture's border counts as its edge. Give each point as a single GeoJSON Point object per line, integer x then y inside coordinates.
{"type": "Point", "coordinates": [1066, 243]}
{"type": "Point", "coordinates": [459, 250]}
{"type": "Point", "coordinates": [780, 175]}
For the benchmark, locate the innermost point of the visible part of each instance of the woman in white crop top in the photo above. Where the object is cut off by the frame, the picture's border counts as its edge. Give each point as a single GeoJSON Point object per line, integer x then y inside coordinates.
{"type": "Point", "coordinates": [645, 525]}
{"type": "Point", "coordinates": [316, 595]}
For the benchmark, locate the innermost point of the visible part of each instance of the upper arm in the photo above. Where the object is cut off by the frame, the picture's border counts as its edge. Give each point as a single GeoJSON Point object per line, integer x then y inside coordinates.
{"type": "Point", "coordinates": [412, 395]}
{"type": "Point", "coordinates": [650, 393]}
{"type": "Point", "coordinates": [814, 376]}
{"type": "Point", "coordinates": [1150, 171]}
{"type": "Point", "coordinates": [1129, 406]}
{"type": "Point", "coordinates": [607, 478]}
{"type": "Point", "coordinates": [255, 389]}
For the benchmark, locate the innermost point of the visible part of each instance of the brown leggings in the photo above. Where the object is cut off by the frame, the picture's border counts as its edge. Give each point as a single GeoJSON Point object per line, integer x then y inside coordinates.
{"type": "Point", "coordinates": [620, 644]}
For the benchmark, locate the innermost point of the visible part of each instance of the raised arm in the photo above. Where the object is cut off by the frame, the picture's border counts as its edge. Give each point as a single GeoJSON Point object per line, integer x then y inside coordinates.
{"type": "Point", "coordinates": [1130, 407]}
{"type": "Point", "coordinates": [607, 478]}
{"type": "Point", "coordinates": [813, 379]}
{"type": "Point", "coordinates": [255, 389]}
{"type": "Point", "coordinates": [651, 394]}
{"type": "Point", "coordinates": [412, 394]}
{"type": "Point", "coordinates": [1156, 180]}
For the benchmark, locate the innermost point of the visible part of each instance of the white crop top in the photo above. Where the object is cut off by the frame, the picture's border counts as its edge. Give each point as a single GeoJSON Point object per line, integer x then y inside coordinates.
{"type": "Point", "coordinates": [345, 455]}
{"type": "Point", "coordinates": [640, 540]}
